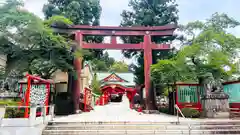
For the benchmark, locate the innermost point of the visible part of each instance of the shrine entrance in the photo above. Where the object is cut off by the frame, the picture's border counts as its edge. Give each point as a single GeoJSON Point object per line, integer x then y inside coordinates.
{"type": "Point", "coordinates": [146, 46]}
{"type": "Point", "coordinates": [114, 92]}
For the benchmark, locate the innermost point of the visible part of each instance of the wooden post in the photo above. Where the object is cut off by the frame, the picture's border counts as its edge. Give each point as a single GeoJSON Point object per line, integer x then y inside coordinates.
{"type": "Point", "coordinates": [77, 84]}
{"type": "Point", "coordinates": [85, 100]}
{"type": "Point", "coordinates": [77, 81]}
{"type": "Point", "coordinates": [147, 73]}
{"type": "Point", "coordinates": [48, 96]}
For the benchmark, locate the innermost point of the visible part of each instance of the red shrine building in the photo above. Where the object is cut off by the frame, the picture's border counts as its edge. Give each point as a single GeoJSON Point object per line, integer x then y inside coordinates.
{"type": "Point", "coordinates": [116, 84]}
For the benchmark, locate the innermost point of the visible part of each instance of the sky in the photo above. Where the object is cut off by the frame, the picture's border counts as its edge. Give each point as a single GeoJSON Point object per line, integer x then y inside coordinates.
{"type": "Point", "coordinates": [189, 10]}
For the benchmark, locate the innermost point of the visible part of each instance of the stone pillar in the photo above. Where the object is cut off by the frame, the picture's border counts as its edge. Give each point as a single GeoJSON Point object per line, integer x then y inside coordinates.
{"type": "Point", "coordinates": [44, 113]}
{"type": "Point", "coordinates": [2, 113]}
{"type": "Point", "coordinates": [215, 105]}
{"type": "Point", "coordinates": [51, 112]}
{"type": "Point", "coordinates": [32, 117]}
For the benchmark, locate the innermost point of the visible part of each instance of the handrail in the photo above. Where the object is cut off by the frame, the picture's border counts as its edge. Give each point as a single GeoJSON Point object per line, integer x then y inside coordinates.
{"type": "Point", "coordinates": [179, 111]}
{"type": "Point", "coordinates": [178, 121]}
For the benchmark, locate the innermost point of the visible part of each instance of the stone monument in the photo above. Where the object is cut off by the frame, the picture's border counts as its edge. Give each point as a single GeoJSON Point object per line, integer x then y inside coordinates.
{"type": "Point", "coordinates": [214, 100]}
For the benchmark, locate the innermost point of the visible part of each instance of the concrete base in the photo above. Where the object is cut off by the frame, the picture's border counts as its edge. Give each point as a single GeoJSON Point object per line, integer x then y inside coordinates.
{"type": "Point", "coordinates": [151, 112]}
{"type": "Point", "coordinates": [78, 111]}
{"type": "Point", "coordinates": [221, 115]}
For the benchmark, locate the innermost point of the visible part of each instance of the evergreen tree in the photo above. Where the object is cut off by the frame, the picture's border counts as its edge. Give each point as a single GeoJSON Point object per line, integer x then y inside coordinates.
{"type": "Point", "coordinates": [148, 13]}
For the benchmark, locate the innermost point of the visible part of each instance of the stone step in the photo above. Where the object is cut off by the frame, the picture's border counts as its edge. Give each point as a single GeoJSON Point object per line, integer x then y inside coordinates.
{"type": "Point", "coordinates": [235, 115]}
{"type": "Point", "coordinates": [140, 127]}
{"type": "Point", "coordinates": [224, 122]}
{"type": "Point", "coordinates": [137, 132]}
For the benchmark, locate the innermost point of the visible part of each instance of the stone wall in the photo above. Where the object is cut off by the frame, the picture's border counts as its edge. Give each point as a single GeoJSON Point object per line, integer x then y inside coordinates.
{"type": "Point", "coordinates": [3, 60]}
{"type": "Point", "coordinates": [86, 79]}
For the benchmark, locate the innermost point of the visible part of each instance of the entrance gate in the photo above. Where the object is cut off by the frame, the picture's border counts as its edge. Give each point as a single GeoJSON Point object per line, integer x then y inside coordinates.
{"type": "Point", "coordinates": [147, 46]}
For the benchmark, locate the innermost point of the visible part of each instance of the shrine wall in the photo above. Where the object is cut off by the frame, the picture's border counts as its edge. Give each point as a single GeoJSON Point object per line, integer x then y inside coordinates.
{"type": "Point", "coordinates": [188, 95]}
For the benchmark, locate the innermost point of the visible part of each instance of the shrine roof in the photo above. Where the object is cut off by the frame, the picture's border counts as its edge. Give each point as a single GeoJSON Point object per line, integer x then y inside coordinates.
{"type": "Point", "coordinates": [127, 77]}
{"type": "Point", "coordinates": [125, 84]}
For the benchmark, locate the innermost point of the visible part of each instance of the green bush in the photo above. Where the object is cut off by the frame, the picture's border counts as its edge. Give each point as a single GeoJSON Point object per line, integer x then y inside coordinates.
{"type": "Point", "coordinates": [164, 110]}
{"type": "Point", "coordinates": [190, 113]}
{"type": "Point", "coordinates": [12, 112]}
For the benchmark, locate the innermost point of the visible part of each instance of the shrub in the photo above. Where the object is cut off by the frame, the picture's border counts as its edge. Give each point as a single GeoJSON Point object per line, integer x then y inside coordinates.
{"type": "Point", "coordinates": [190, 113]}
{"type": "Point", "coordinates": [12, 112]}
{"type": "Point", "coordinates": [164, 110]}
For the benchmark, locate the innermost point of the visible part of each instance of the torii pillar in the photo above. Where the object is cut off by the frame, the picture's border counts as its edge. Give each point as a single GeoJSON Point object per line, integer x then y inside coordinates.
{"type": "Point", "coordinates": [147, 46]}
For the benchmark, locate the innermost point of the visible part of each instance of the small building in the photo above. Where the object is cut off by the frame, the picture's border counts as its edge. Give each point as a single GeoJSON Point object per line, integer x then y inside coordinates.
{"type": "Point", "coordinates": [61, 78]}
{"type": "Point", "coordinates": [116, 84]}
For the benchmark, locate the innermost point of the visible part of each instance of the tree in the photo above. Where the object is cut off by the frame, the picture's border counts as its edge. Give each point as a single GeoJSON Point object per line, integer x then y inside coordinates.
{"type": "Point", "coordinates": [30, 44]}
{"type": "Point", "coordinates": [80, 12]}
{"type": "Point", "coordinates": [119, 66]}
{"type": "Point", "coordinates": [85, 12]}
{"type": "Point", "coordinates": [213, 50]}
{"type": "Point", "coordinates": [104, 63]}
{"type": "Point", "coordinates": [148, 13]}
{"type": "Point", "coordinates": [96, 85]}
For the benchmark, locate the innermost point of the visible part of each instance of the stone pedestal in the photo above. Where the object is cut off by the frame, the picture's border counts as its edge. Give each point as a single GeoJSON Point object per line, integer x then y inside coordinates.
{"type": "Point", "coordinates": [151, 112]}
{"type": "Point", "coordinates": [215, 105]}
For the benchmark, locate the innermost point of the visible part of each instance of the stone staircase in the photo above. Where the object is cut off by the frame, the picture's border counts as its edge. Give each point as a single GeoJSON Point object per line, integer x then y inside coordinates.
{"type": "Point", "coordinates": [142, 128]}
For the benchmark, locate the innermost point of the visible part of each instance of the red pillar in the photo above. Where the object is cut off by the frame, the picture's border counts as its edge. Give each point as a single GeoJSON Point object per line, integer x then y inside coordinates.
{"type": "Point", "coordinates": [48, 86]}
{"type": "Point", "coordinates": [27, 97]}
{"type": "Point", "coordinates": [85, 100]}
{"type": "Point", "coordinates": [147, 72]}
{"type": "Point", "coordinates": [77, 81]}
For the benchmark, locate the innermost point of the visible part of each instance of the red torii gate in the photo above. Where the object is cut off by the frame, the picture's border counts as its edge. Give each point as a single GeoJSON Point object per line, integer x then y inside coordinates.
{"type": "Point", "coordinates": [147, 46]}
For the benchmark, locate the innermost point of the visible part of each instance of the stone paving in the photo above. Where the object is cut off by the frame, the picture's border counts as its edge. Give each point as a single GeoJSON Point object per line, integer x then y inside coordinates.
{"type": "Point", "coordinates": [116, 112]}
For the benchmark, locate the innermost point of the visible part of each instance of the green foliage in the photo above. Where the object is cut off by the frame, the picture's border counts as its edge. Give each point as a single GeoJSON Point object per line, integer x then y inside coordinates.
{"type": "Point", "coordinates": [9, 102]}
{"type": "Point", "coordinates": [119, 66]}
{"type": "Point", "coordinates": [85, 12]}
{"type": "Point", "coordinates": [104, 63]}
{"type": "Point", "coordinates": [148, 13]}
{"type": "Point", "coordinates": [212, 50]}
{"type": "Point", "coordinates": [191, 113]}
{"type": "Point", "coordinates": [58, 20]}
{"type": "Point", "coordinates": [80, 12]}
{"type": "Point", "coordinates": [30, 44]}
{"type": "Point", "coordinates": [96, 85]}
{"type": "Point", "coordinates": [12, 112]}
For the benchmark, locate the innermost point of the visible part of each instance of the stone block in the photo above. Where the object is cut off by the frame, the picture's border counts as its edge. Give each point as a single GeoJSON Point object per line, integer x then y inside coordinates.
{"type": "Point", "coordinates": [215, 105]}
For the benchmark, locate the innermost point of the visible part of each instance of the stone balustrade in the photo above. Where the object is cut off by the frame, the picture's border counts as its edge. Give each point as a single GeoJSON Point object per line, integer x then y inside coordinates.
{"type": "Point", "coordinates": [38, 118]}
